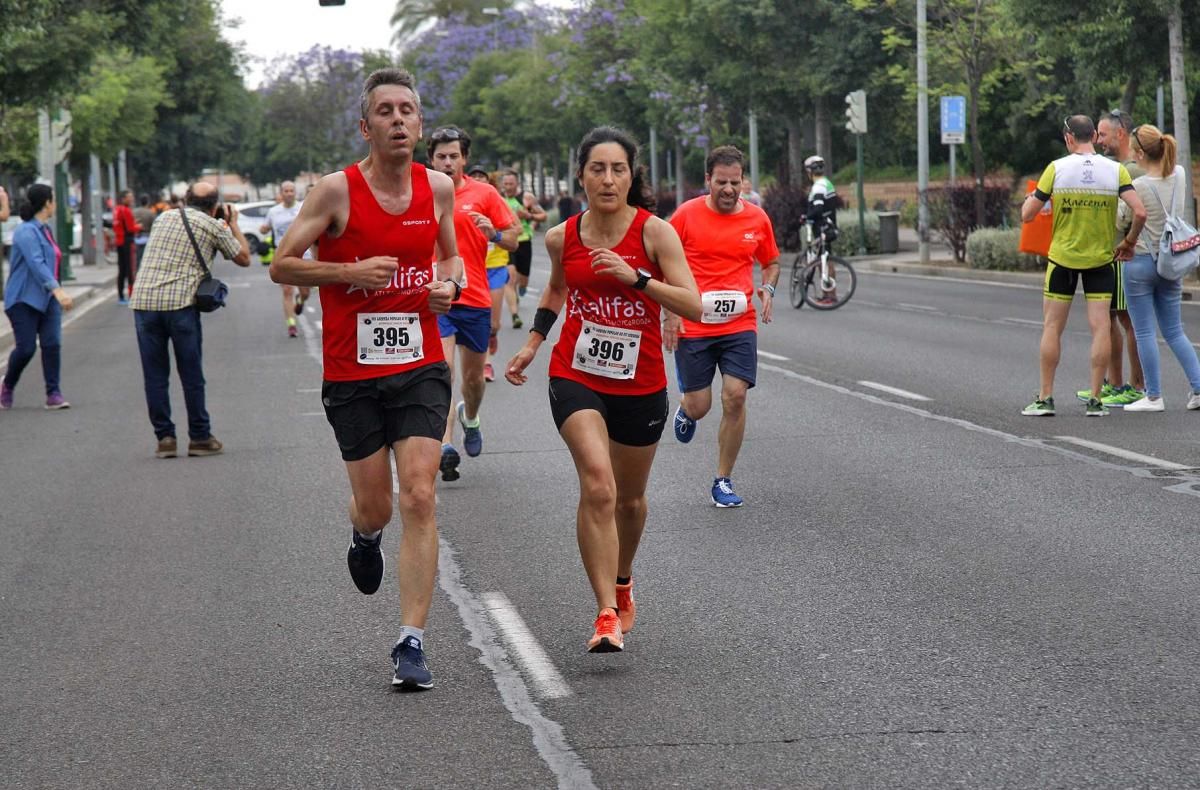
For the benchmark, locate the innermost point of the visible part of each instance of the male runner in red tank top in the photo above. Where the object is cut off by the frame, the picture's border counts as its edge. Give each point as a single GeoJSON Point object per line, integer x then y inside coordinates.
{"type": "Point", "coordinates": [387, 388]}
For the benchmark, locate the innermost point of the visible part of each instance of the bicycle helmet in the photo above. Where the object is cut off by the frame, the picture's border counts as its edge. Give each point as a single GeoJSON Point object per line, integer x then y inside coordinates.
{"type": "Point", "coordinates": [814, 163]}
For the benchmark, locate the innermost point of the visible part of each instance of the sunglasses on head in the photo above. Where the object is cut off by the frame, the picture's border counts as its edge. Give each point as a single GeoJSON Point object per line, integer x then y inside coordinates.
{"type": "Point", "coordinates": [445, 135]}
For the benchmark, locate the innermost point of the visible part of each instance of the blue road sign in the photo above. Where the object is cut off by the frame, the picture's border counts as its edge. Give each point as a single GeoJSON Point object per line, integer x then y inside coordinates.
{"type": "Point", "coordinates": [954, 119]}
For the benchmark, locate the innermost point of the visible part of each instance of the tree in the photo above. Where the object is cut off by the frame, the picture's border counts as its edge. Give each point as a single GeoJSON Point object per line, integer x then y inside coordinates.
{"type": "Point", "coordinates": [116, 105]}
{"type": "Point", "coordinates": [411, 16]}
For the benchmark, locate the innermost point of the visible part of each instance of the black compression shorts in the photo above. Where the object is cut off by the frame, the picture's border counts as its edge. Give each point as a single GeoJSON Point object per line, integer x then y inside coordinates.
{"type": "Point", "coordinates": [634, 420]}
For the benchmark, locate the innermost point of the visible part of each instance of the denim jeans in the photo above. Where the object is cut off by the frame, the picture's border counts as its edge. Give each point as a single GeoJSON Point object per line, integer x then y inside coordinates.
{"type": "Point", "coordinates": [1152, 297]}
{"type": "Point", "coordinates": [180, 329]}
{"type": "Point", "coordinates": [29, 326]}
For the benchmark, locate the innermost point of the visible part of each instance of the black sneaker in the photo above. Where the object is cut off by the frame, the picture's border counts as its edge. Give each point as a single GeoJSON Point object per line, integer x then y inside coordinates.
{"type": "Point", "coordinates": [408, 659]}
{"type": "Point", "coordinates": [449, 464]}
{"type": "Point", "coordinates": [365, 559]}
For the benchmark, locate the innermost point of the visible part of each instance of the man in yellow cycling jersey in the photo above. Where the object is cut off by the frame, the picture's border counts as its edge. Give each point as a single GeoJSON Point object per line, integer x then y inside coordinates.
{"type": "Point", "coordinates": [1085, 188]}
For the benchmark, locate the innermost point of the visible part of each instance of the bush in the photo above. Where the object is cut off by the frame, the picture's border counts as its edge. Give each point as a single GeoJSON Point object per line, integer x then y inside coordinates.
{"type": "Point", "coordinates": [847, 240]}
{"type": "Point", "coordinates": [952, 212]}
{"type": "Point", "coordinates": [786, 206]}
{"type": "Point", "coordinates": [993, 248]}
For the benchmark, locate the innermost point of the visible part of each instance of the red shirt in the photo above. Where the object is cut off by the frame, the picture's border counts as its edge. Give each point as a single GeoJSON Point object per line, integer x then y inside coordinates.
{"type": "Point", "coordinates": [612, 338]}
{"type": "Point", "coordinates": [721, 250]}
{"type": "Point", "coordinates": [472, 244]}
{"type": "Point", "coordinates": [125, 227]}
{"type": "Point", "coordinates": [371, 334]}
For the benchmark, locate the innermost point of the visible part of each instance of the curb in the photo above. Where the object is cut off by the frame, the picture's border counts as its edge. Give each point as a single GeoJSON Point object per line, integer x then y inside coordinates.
{"type": "Point", "coordinates": [948, 268]}
{"type": "Point", "coordinates": [81, 293]}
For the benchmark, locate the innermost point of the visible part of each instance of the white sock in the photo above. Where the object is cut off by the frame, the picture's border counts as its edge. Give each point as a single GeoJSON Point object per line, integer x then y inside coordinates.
{"type": "Point", "coordinates": [371, 536]}
{"type": "Point", "coordinates": [408, 630]}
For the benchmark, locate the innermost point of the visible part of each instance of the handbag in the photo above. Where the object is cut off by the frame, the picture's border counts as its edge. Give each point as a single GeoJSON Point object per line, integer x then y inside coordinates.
{"type": "Point", "coordinates": [1037, 233]}
{"type": "Point", "coordinates": [211, 292]}
{"type": "Point", "coordinates": [1179, 245]}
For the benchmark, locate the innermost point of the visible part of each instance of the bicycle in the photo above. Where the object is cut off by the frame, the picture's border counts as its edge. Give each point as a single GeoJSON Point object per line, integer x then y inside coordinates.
{"type": "Point", "coordinates": [823, 280]}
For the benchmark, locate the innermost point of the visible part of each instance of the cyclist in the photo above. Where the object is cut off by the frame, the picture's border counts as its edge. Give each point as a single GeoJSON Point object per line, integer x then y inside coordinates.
{"type": "Point", "coordinates": [822, 214]}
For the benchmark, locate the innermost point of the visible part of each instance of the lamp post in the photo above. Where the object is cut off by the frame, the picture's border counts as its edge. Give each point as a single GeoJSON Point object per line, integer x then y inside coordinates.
{"type": "Point", "coordinates": [493, 11]}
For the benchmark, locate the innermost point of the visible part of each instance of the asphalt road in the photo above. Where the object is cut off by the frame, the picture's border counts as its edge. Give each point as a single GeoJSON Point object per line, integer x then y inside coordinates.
{"type": "Point", "coordinates": [919, 593]}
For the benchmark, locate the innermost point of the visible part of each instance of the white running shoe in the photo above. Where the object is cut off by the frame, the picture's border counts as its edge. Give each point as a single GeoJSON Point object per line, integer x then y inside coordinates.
{"type": "Point", "coordinates": [1145, 404]}
{"type": "Point", "coordinates": [1194, 401]}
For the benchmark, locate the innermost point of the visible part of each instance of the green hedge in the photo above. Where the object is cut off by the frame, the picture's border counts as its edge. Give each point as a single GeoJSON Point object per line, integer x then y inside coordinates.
{"type": "Point", "coordinates": [847, 241]}
{"type": "Point", "coordinates": [993, 248]}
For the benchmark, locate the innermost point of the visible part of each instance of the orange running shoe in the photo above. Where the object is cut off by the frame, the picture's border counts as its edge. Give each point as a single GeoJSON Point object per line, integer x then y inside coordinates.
{"type": "Point", "coordinates": [607, 638]}
{"type": "Point", "coordinates": [626, 606]}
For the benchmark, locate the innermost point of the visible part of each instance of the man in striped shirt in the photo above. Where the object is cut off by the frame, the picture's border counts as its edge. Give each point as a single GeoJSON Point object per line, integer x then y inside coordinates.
{"type": "Point", "coordinates": [165, 313]}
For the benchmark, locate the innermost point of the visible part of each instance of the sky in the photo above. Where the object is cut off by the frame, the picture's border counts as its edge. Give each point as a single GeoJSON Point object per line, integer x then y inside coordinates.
{"type": "Point", "coordinates": [271, 28]}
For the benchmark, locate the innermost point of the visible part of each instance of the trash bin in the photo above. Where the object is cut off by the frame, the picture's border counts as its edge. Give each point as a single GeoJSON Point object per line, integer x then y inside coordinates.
{"type": "Point", "coordinates": [889, 231]}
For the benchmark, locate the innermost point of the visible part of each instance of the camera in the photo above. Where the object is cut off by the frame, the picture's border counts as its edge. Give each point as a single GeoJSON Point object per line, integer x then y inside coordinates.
{"type": "Point", "coordinates": [225, 212]}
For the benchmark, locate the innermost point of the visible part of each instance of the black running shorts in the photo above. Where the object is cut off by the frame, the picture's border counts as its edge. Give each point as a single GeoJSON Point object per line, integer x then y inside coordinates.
{"type": "Point", "coordinates": [373, 413]}
{"type": "Point", "coordinates": [1061, 282]}
{"type": "Point", "coordinates": [523, 257]}
{"type": "Point", "coordinates": [634, 420]}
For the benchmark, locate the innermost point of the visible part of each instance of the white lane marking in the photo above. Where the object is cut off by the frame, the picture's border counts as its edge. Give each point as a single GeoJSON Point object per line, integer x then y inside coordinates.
{"type": "Point", "coordinates": [1189, 486]}
{"type": "Point", "coordinates": [320, 325]}
{"type": "Point", "coordinates": [917, 306]}
{"type": "Point", "coordinates": [1029, 321]}
{"type": "Point", "coordinates": [69, 318]}
{"type": "Point", "coordinates": [312, 414]}
{"type": "Point", "coordinates": [1119, 452]}
{"type": "Point", "coordinates": [534, 291]}
{"type": "Point", "coordinates": [893, 390]}
{"type": "Point", "coordinates": [548, 737]}
{"type": "Point", "coordinates": [540, 670]}
{"type": "Point", "coordinates": [239, 285]}
{"type": "Point", "coordinates": [309, 389]}
{"type": "Point", "coordinates": [312, 341]}
{"type": "Point", "coordinates": [769, 355]}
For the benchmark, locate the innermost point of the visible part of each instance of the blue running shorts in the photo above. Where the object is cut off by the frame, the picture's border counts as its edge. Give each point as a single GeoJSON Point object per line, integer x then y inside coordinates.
{"type": "Point", "coordinates": [471, 326]}
{"type": "Point", "coordinates": [697, 359]}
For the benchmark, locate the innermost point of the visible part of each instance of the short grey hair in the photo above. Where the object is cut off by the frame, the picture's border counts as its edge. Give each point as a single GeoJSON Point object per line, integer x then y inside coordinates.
{"type": "Point", "coordinates": [388, 76]}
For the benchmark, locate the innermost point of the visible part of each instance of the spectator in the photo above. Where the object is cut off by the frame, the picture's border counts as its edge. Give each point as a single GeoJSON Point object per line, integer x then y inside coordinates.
{"type": "Point", "coordinates": [165, 313]}
{"type": "Point", "coordinates": [143, 215]}
{"type": "Point", "coordinates": [125, 229]}
{"type": "Point", "coordinates": [34, 300]}
{"type": "Point", "coordinates": [566, 206]}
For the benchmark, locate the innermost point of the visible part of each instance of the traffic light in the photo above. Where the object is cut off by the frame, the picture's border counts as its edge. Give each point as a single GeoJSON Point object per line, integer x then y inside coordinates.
{"type": "Point", "coordinates": [60, 136]}
{"type": "Point", "coordinates": [856, 112]}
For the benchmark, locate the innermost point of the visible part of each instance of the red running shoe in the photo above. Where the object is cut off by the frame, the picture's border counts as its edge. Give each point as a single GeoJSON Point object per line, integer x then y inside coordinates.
{"type": "Point", "coordinates": [607, 638]}
{"type": "Point", "coordinates": [626, 606]}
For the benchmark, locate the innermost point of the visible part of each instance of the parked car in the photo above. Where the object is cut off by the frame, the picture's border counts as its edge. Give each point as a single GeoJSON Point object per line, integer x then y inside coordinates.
{"type": "Point", "coordinates": [251, 217]}
{"type": "Point", "coordinates": [10, 225]}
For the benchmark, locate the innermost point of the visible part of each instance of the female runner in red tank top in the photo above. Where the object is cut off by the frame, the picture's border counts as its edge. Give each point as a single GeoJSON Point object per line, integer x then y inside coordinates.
{"type": "Point", "coordinates": [613, 267]}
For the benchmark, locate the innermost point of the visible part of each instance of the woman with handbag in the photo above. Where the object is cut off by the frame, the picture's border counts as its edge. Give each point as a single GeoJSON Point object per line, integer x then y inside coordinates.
{"type": "Point", "coordinates": [34, 299]}
{"type": "Point", "coordinates": [1151, 296]}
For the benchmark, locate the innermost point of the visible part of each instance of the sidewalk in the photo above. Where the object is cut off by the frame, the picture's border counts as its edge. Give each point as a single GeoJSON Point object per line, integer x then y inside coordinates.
{"type": "Point", "coordinates": [89, 282]}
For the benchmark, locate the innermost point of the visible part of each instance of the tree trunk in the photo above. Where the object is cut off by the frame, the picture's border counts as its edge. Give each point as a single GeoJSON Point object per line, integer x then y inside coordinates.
{"type": "Point", "coordinates": [821, 132]}
{"type": "Point", "coordinates": [1179, 109]}
{"type": "Point", "coordinates": [795, 152]}
{"type": "Point", "coordinates": [678, 173]}
{"type": "Point", "coordinates": [1130, 94]}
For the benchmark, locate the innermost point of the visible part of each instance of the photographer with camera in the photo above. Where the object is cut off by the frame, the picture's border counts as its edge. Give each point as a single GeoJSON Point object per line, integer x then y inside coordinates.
{"type": "Point", "coordinates": [165, 313]}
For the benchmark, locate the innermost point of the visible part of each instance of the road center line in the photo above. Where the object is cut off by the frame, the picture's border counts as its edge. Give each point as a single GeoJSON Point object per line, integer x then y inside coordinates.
{"type": "Point", "coordinates": [925, 307]}
{"type": "Point", "coordinates": [1190, 486]}
{"type": "Point", "coordinates": [1029, 321]}
{"type": "Point", "coordinates": [769, 355]}
{"type": "Point", "coordinates": [548, 737]}
{"type": "Point", "coordinates": [547, 681]}
{"type": "Point", "coordinates": [893, 390]}
{"type": "Point", "coordinates": [1119, 452]}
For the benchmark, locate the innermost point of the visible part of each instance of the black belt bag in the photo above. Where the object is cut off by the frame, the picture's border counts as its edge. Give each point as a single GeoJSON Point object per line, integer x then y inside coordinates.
{"type": "Point", "coordinates": [211, 292]}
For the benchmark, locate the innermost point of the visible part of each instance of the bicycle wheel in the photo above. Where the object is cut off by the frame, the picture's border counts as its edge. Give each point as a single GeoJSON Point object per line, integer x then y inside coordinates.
{"type": "Point", "coordinates": [836, 291]}
{"type": "Point", "coordinates": [797, 281]}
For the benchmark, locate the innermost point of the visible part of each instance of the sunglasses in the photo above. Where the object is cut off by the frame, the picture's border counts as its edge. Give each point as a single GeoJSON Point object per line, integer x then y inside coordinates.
{"type": "Point", "coordinates": [1133, 136]}
{"type": "Point", "coordinates": [445, 135]}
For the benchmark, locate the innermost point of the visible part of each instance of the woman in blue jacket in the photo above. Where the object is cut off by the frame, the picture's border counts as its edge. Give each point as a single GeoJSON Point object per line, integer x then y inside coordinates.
{"type": "Point", "coordinates": [34, 300]}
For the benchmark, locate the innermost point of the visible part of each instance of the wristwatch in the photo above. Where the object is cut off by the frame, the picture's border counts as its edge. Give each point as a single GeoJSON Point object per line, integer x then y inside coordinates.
{"type": "Point", "coordinates": [644, 277]}
{"type": "Point", "coordinates": [457, 290]}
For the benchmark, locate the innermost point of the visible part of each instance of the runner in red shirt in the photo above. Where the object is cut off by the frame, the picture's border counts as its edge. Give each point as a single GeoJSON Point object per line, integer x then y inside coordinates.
{"type": "Point", "coordinates": [388, 265]}
{"type": "Point", "coordinates": [480, 217]}
{"type": "Point", "coordinates": [613, 266]}
{"type": "Point", "coordinates": [723, 236]}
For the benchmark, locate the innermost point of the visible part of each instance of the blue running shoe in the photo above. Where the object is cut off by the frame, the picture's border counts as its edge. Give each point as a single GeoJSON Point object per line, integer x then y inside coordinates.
{"type": "Point", "coordinates": [365, 559]}
{"type": "Point", "coordinates": [449, 465]}
{"type": "Point", "coordinates": [722, 493]}
{"type": "Point", "coordinates": [472, 438]}
{"type": "Point", "coordinates": [685, 426]}
{"type": "Point", "coordinates": [408, 659]}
